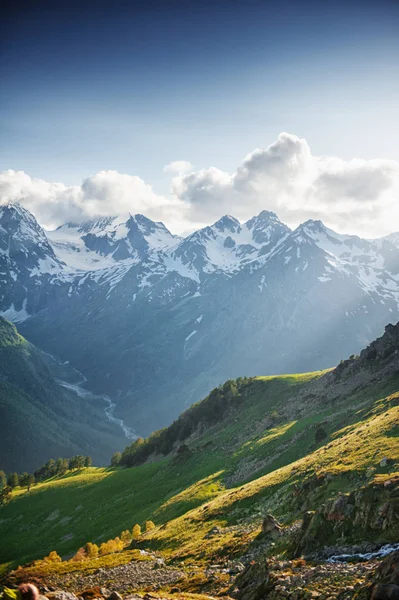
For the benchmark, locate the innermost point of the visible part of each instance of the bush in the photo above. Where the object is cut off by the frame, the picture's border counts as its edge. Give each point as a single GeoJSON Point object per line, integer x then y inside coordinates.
{"type": "Point", "coordinates": [126, 536]}
{"type": "Point", "coordinates": [149, 525]}
{"type": "Point", "coordinates": [320, 434]}
{"type": "Point", "coordinates": [53, 557]}
{"type": "Point", "coordinates": [79, 556]}
{"type": "Point", "coordinates": [91, 550]}
{"type": "Point", "coordinates": [136, 531]}
{"type": "Point", "coordinates": [111, 546]}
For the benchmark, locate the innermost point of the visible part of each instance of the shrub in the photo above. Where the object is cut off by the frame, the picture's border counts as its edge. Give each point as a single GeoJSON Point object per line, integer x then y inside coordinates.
{"type": "Point", "coordinates": [320, 434]}
{"type": "Point", "coordinates": [53, 557]}
{"type": "Point", "coordinates": [79, 556]}
{"type": "Point", "coordinates": [111, 546]}
{"type": "Point", "coordinates": [149, 525]}
{"type": "Point", "coordinates": [91, 550]}
{"type": "Point", "coordinates": [126, 536]}
{"type": "Point", "coordinates": [136, 531]}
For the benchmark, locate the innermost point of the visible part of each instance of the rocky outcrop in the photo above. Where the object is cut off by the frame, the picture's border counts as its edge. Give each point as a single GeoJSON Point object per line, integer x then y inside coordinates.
{"type": "Point", "coordinates": [369, 513]}
{"type": "Point", "coordinates": [271, 527]}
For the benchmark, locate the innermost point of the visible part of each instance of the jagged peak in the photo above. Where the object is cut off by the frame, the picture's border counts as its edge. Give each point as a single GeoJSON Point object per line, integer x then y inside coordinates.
{"type": "Point", "coordinates": [17, 209]}
{"type": "Point", "coordinates": [227, 222]}
{"type": "Point", "coordinates": [264, 218]}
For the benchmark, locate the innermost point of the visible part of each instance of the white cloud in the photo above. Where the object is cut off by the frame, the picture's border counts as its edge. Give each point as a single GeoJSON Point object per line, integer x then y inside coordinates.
{"type": "Point", "coordinates": [178, 166]}
{"type": "Point", "coordinates": [105, 193]}
{"type": "Point", "coordinates": [356, 196]}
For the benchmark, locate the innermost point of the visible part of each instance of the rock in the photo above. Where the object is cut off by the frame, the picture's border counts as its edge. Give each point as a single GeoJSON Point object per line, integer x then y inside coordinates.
{"type": "Point", "coordinates": [115, 596]}
{"type": "Point", "coordinates": [385, 592]}
{"type": "Point", "coordinates": [383, 462]}
{"type": "Point", "coordinates": [61, 595]}
{"type": "Point", "coordinates": [253, 582]}
{"type": "Point", "coordinates": [94, 592]}
{"type": "Point", "coordinates": [338, 510]}
{"type": "Point", "coordinates": [213, 531]}
{"type": "Point", "coordinates": [271, 527]}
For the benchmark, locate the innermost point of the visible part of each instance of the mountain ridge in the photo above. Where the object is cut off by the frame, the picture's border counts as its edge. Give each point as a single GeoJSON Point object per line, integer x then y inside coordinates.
{"type": "Point", "coordinates": [157, 330]}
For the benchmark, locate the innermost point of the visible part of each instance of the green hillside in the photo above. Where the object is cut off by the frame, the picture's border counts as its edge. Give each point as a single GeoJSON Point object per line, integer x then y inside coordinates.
{"type": "Point", "coordinates": [283, 445]}
{"type": "Point", "coordinates": [39, 418]}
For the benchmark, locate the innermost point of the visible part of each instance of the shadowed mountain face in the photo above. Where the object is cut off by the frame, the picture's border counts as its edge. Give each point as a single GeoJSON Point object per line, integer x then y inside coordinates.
{"type": "Point", "coordinates": [156, 321]}
{"type": "Point", "coordinates": [39, 417]}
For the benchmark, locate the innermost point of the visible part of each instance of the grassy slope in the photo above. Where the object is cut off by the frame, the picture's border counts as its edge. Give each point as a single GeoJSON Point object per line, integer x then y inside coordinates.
{"type": "Point", "coordinates": [187, 499]}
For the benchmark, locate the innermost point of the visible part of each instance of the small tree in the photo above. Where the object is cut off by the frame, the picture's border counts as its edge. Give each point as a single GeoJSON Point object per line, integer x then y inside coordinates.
{"type": "Point", "coordinates": [5, 495]}
{"type": "Point", "coordinates": [53, 557]}
{"type": "Point", "coordinates": [24, 479]}
{"type": "Point", "coordinates": [50, 468]}
{"type": "Point", "coordinates": [149, 525]}
{"type": "Point", "coordinates": [13, 480]}
{"type": "Point", "coordinates": [116, 459]}
{"type": "Point", "coordinates": [3, 479]}
{"type": "Point", "coordinates": [61, 466]}
{"type": "Point", "coordinates": [136, 531]}
{"type": "Point", "coordinates": [91, 550]}
{"type": "Point", "coordinates": [80, 461]}
{"type": "Point", "coordinates": [88, 461]}
{"type": "Point", "coordinates": [126, 536]}
{"type": "Point", "coordinates": [73, 463]}
{"type": "Point", "coordinates": [80, 555]}
{"type": "Point", "coordinates": [31, 481]}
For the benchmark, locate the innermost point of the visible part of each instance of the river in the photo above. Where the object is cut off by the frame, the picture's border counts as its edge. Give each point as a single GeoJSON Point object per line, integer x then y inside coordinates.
{"type": "Point", "coordinates": [109, 409]}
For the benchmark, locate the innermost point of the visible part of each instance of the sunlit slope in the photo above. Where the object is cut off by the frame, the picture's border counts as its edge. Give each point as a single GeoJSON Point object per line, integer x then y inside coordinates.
{"type": "Point", "coordinates": [278, 436]}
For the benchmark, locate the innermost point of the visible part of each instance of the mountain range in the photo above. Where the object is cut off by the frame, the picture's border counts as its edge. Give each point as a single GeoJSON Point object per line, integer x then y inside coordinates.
{"type": "Point", "coordinates": [155, 320]}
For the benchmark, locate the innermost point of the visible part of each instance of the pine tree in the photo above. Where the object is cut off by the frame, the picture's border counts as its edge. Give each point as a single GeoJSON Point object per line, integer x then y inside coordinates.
{"type": "Point", "coordinates": [88, 461]}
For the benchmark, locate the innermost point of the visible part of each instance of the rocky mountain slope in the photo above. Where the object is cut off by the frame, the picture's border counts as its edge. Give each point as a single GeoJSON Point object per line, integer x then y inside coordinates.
{"type": "Point", "coordinates": [39, 417]}
{"type": "Point", "coordinates": [156, 321]}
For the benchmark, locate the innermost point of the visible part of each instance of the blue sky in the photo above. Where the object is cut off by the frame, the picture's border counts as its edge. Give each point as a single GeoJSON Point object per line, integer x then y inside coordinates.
{"type": "Point", "coordinates": [132, 86]}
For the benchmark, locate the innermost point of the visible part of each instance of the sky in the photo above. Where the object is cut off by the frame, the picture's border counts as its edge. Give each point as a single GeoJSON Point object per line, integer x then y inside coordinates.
{"type": "Point", "coordinates": [186, 110]}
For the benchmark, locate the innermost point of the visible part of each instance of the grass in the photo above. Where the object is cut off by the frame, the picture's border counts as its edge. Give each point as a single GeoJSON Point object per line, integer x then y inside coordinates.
{"type": "Point", "coordinates": [236, 472]}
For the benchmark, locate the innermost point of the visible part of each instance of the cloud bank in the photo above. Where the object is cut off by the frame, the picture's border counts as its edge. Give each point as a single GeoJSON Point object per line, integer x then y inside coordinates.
{"type": "Point", "coordinates": [355, 196]}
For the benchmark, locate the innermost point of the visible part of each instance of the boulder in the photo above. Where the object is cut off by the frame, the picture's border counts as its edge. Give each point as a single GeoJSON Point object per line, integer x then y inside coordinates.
{"type": "Point", "coordinates": [114, 596]}
{"type": "Point", "coordinates": [254, 582]}
{"type": "Point", "coordinates": [61, 595]}
{"type": "Point", "coordinates": [271, 527]}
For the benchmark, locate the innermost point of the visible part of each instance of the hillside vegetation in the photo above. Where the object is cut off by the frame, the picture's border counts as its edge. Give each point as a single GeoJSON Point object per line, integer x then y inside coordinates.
{"type": "Point", "coordinates": [282, 445]}
{"type": "Point", "coordinates": [40, 418]}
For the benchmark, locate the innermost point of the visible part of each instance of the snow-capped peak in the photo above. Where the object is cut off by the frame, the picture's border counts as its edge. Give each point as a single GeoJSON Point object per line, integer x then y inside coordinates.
{"type": "Point", "coordinates": [24, 242]}
{"type": "Point", "coordinates": [104, 241]}
{"type": "Point", "coordinates": [227, 223]}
